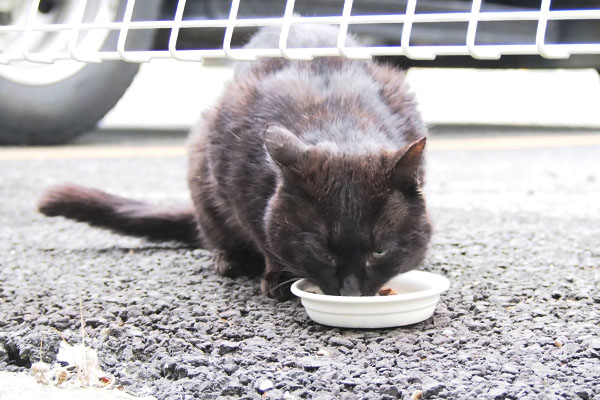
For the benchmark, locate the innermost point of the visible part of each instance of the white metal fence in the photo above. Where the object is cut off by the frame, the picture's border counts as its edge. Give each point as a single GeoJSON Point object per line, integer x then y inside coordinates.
{"type": "Point", "coordinates": [20, 39]}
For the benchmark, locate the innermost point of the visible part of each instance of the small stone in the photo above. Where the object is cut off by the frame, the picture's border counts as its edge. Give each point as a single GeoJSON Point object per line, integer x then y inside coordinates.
{"type": "Point", "coordinates": [116, 331]}
{"type": "Point", "coordinates": [233, 390]}
{"type": "Point", "coordinates": [263, 385]}
{"type": "Point", "coordinates": [592, 343]}
{"type": "Point", "coordinates": [479, 370]}
{"type": "Point", "coordinates": [510, 369]}
{"type": "Point", "coordinates": [497, 394]}
{"type": "Point", "coordinates": [127, 354]}
{"type": "Point", "coordinates": [570, 348]}
{"type": "Point", "coordinates": [311, 367]}
{"type": "Point", "coordinates": [432, 388]}
{"type": "Point", "coordinates": [228, 347]}
{"type": "Point", "coordinates": [391, 390]}
{"type": "Point", "coordinates": [230, 368]}
{"type": "Point", "coordinates": [95, 322]}
{"type": "Point", "coordinates": [322, 353]}
{"type": "Point", "coordinates": [274, 394]}
{"type": "Point", "coordinates": [583, 394]}
{"type": "Point", "coordinates": [229, 314]}
{"type": "Point", "coordinates": [135, 332]}
{"type": "Point", "coordinates": [417, 394]}
{"type": "Point", "coordinates": [110, 361]}
{"type": "Point", "coordinates": [310, 364]}
{"type": "Point", "coordinates": [538, 312]}
{"type": "Point", "coordinates": [340, 341]}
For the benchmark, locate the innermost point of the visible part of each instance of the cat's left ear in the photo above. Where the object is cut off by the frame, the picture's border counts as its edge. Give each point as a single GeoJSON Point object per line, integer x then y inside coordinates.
{"type": "Point", "coordinates": [284, 147]}
{"type": "Point", "coordinates": [407, 172]}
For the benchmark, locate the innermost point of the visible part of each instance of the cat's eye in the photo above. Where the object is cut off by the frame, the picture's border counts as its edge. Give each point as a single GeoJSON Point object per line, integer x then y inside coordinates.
{"type": "Point", "coordinates": [328, 257]}
{"type": "Point", "coordinates": [323, 255]}
{"type": "Point", "coordinates": [379, 254]}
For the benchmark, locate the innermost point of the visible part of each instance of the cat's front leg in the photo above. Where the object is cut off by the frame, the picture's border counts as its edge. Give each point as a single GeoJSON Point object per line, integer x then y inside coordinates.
{"type": "Point", "coordinates": [276, 282]}
{"type": "Point", "coordinates": [233, 264]}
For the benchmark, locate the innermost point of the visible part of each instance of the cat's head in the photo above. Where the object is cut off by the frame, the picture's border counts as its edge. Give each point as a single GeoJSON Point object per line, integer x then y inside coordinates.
{"type": "Point", "coordinates": [349, 223]}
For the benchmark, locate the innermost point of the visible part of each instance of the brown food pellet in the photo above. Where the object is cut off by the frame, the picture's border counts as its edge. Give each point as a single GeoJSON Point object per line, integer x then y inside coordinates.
{"type": "Point", "coordinates": [386, 292]}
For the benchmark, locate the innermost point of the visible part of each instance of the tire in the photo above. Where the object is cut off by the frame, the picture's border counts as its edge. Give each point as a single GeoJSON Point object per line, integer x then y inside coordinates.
{"type": "Point", "coordinates": [33, 113]}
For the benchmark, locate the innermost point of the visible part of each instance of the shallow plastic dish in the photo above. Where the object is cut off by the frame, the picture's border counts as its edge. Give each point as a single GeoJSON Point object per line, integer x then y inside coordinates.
{"type": "Point", "coordinates": [418, 294]}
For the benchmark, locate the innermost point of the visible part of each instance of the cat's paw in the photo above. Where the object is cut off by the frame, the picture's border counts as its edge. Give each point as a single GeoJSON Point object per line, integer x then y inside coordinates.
{"type": "Point", "coordinates": [225, 267]}
{"type": "Point", "coordinates": [233, 265]}
{"type": "Point", "coordinates": [277, 285]}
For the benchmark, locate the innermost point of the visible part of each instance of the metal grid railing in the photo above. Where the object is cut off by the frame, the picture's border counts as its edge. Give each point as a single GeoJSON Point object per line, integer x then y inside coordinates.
{"type": "Point", "coordinates": [21, 49]}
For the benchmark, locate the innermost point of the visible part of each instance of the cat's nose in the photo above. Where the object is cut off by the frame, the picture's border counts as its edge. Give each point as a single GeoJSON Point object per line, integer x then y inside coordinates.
{"type": "Point", "coordinates": [350, 286]}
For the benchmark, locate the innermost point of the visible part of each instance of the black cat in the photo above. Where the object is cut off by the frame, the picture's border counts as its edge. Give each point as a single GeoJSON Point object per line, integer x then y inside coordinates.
{"type": "Point", "coordinates": [303, 169]}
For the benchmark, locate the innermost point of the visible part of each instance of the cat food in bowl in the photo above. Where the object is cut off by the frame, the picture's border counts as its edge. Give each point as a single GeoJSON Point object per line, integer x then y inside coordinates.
{"type": "Point", "coordinates": [407, 299]}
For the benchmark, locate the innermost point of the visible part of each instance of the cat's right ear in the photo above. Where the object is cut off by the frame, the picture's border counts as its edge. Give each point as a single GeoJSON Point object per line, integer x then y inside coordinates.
{"type": "Point", "coordinates": [283, 146]}
{"type": "Point", "coordinates": [407, 172]}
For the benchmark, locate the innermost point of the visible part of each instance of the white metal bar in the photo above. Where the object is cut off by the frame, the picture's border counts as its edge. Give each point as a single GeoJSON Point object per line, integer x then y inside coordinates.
{"type": "Point", "coordinates": [478, 52]}
{"type": "Point", "coordinates": [555, 15]}
{"type": "Point", "coordinates": [173, 52]}
{"type": "Point", "coordinates": [420, 54]}
{"type": "Point", "coordinates": [344, 51]}
{"type": "Point", "coordinates": [24, 51]}
{"type": "Point", "coordinates": [288, 21]}
{"type": "Point", "coordinates": [133, 56]}
{"type": "Point", "coordinates": [445, 50]}
{"type": "Point", "coordinates": [231, 24]}
{"type": "Point", "coordinates": [124, 29]}
{"type": "Point", "coordinates": [343, 30]}
{"type": "Point", "coordinates": [72, 46]}
{"type": "Point", "coordinates": [27, 55]}
{"type": "Point", "coordinates": [540, 36]}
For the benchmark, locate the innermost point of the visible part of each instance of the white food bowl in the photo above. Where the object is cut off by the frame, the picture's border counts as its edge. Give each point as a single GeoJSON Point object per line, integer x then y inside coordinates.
{"type": "Point", "coordinates": [418, 294]}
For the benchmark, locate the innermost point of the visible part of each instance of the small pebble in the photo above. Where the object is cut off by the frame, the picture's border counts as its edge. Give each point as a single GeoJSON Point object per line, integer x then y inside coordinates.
{"type": "Point", "coordinates": [510, 369]}
{"type": "Point", "coordinates": [322, 353]}
{"type": "Point", "coordinates": [228, 347]}
{"type": "Point", "coordinates": [431, 388]}
{"type": "Point", "coordinates": [264, 386]}
{"type": "Point", "coordinates": [497, 394]}
{"type": "Point", "coordinates": [583, 394]}
{"type": "Point", "coordinates": [340, 341]}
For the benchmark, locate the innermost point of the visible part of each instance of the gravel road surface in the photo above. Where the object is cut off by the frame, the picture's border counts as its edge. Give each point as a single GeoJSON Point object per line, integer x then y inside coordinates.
{"type": "Point", "coordinates": [517, 233]}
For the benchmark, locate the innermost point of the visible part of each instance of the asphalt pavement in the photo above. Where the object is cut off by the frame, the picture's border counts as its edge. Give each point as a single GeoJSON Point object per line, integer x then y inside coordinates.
{"type": "Point", "coordinates": [517, 232]}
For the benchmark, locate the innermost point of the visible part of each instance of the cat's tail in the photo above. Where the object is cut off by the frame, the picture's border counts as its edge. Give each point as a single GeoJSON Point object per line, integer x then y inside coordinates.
{"type": "Point", "coordinates": [121, 215]}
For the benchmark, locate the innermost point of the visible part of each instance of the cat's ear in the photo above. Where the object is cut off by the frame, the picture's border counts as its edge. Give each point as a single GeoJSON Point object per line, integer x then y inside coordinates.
{"type": "Point", "coordinates": [407, 172]}
{"type": "Point", "coordinates": [284, 147]}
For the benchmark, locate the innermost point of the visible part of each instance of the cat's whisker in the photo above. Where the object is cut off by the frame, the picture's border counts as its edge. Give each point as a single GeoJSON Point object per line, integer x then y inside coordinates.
{"type": "Point", "coordinates": [286, 266]}
{"type": "Point", "coordinates": [285, 283]}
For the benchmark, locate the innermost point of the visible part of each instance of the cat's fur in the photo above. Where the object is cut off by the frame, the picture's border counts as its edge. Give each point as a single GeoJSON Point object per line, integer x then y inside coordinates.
{"type": "Point", "coordinates": [302, 169]}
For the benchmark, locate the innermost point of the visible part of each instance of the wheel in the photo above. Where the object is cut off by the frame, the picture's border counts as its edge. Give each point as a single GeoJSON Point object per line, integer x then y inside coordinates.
{"type": "Point", "coordinates": [53, 103]}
